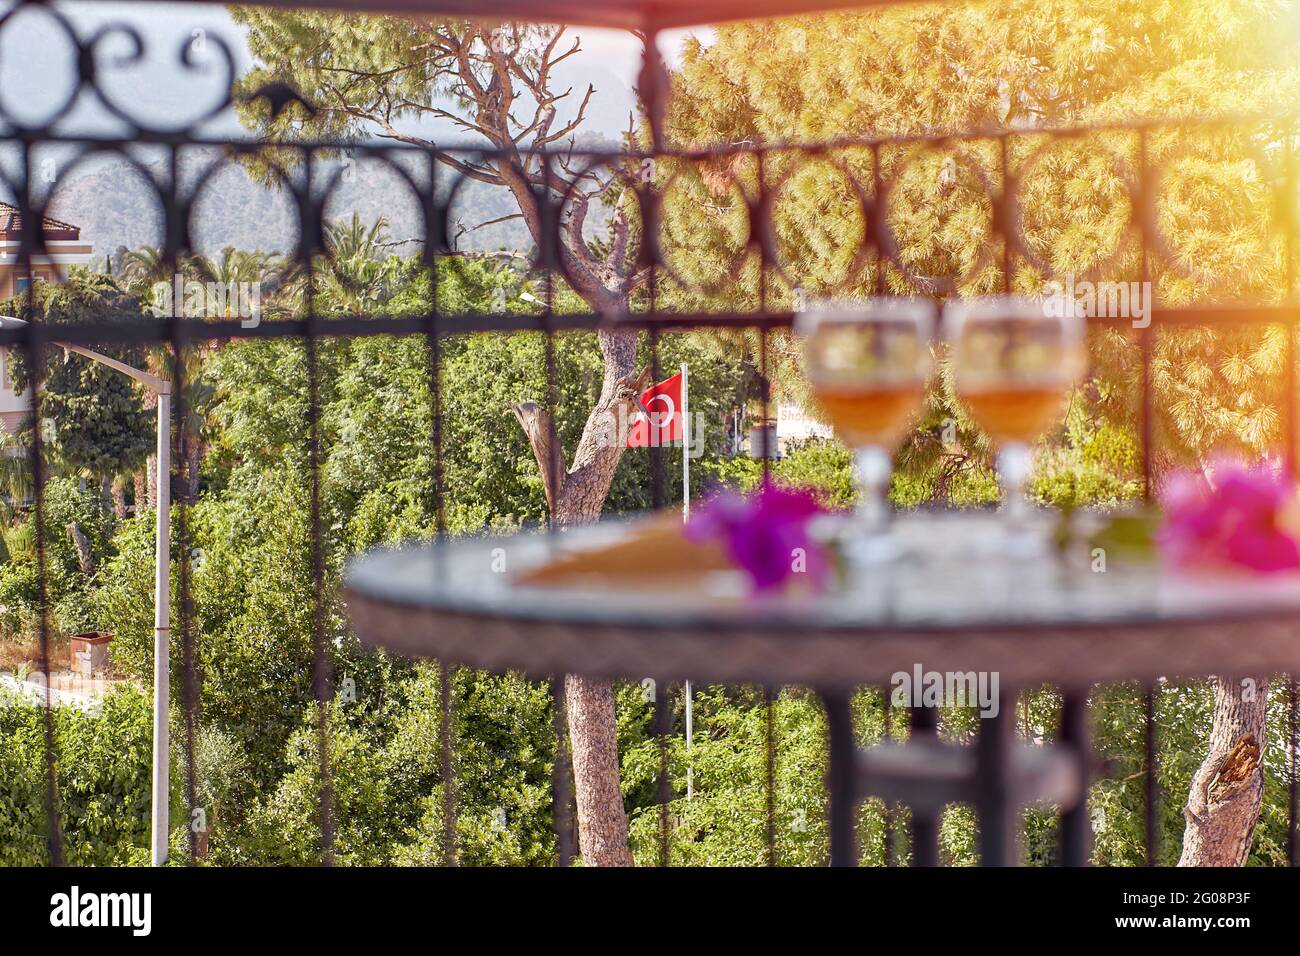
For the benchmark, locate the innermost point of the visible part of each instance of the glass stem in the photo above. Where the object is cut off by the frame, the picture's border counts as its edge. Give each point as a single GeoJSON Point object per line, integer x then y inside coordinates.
{"type": "Point", "coordinates": [874, 467]}
{"type": "Point", "coordinates": [1014, 462]}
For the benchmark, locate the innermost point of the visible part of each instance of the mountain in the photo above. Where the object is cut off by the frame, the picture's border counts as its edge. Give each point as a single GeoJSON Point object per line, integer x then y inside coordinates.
{"type": "Point", "coordinates": [114, 207]}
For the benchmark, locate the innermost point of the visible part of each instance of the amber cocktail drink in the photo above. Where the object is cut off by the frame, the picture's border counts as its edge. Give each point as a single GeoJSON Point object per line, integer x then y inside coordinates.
{"type": "Point", "coordinates": [868, 363]}
{"type": "Point", "coordinates": [1014, 360]}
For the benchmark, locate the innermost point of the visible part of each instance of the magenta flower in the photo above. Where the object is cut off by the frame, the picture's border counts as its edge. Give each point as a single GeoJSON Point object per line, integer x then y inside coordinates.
{"type": "Point", "coordinates": [1241, 517]}
{"type": "Point", "coordinates": [765, 533]}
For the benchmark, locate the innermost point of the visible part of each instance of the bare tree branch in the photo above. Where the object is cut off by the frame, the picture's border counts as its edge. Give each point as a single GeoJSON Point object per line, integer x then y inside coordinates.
{"type": "Point", "coordinates": [539, 428]}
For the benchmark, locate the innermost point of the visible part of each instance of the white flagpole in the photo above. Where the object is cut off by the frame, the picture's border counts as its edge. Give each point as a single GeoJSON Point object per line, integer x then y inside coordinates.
{"type": "Point", "coordinates": [686, 516]}
{"type": "Point", "coordinates": [686, 448]}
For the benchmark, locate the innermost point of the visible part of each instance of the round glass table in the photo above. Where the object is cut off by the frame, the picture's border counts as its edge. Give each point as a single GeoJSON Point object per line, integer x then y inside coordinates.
{"type": "Point", "coordinates": [952, 604]}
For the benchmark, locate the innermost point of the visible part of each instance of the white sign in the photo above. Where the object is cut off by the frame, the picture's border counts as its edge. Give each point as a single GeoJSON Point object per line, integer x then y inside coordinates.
{"type": "Point", "coordinates": [795, 424]}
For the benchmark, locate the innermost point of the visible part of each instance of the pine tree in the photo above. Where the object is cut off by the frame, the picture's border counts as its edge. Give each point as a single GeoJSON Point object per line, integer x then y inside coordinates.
{"type": "Point", "coordinates": [954, 70]}
{"type": "Point", "coordinates": [372, 77]}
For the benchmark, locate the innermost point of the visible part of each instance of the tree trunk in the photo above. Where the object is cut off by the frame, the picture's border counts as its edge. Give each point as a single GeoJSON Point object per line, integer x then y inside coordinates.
{"type": "Point", "coordinates": [1223, 806]}
{"type": "Point", "coordinates": [119, 498]}
{"type": "Point", "coordinates": [140, 490]}
{"type": "Point", "coordinates": [85, 553]}
{"type": "Point", "coordinates": [602, 821]}
{"type": "Point", "coordinates": [192, 452]}
{"type": "Point", "coordinates": [576, 496]}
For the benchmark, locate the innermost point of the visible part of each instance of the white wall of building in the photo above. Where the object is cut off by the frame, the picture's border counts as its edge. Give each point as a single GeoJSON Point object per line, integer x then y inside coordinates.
{"type": "Point", "coordinates": [13, 406]}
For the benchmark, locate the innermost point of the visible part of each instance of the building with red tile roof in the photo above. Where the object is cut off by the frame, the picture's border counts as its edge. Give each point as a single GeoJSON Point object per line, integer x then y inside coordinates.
{"type": "Point", "coordinates": [64, 247]}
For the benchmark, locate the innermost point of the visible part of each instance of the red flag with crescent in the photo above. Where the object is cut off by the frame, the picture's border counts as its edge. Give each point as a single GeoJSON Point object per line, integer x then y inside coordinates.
{"type": "Point", "coordinates": [658, 420]}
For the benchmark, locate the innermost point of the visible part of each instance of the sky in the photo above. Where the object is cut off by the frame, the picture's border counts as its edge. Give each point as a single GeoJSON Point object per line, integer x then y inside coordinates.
{"type": "Point", "coordinates": [37, 64]}
{"type": "Point", "coordinates": [38, 71]}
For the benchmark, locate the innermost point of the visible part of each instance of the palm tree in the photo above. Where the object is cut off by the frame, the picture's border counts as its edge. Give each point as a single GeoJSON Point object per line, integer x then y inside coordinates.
{"type": "Point", "coordinates": [357, 273]}
{"type": "Point", "coordinates": [233, 266]}
{"type": "Point", "coordinates": [16, 483]}
{"type": "Point", "coordinates": [144, 268]}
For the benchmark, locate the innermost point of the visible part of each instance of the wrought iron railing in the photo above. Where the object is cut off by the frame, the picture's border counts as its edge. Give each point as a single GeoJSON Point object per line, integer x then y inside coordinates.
{"type": "Point", "coordinates": [432, 186]}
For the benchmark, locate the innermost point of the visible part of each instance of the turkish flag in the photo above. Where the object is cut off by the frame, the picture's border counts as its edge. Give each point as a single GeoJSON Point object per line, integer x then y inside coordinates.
{"type": "Point", "coordinates": [659, 419]}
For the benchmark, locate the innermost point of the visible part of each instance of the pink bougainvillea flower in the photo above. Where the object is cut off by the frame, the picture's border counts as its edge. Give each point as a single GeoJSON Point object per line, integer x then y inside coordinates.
{"type": "Point", "coordinates": [1240, 517]}
{"type": "Point", "coordinates": [766, 534]}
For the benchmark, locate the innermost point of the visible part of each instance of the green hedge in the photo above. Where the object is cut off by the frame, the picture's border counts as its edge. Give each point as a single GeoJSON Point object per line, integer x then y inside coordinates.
{"type": "Point", "coordinates": [102, 775]}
